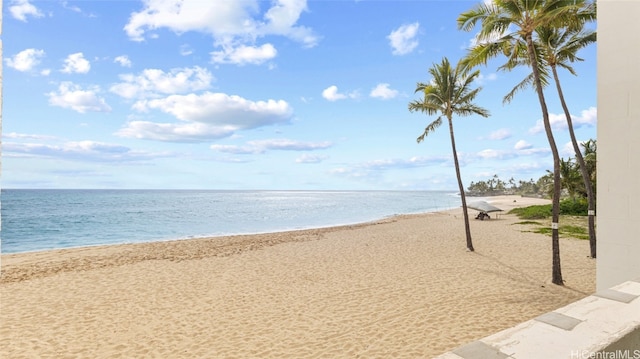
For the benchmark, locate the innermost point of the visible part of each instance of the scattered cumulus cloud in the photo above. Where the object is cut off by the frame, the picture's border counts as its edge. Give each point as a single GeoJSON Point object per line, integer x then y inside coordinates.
{"type": "Point", "coordinates": [70, 7]}
{"type": "Point", "coordinates": [331, 94]}
{"type": "Point", "coordinates": [21, 9]}
{"type": "Point", "coordinates": [290, 145]}
{"type": "Point", "coordinates": [186, 50]}
{"type": "Point", "coordinates": [76, 98]}
{"type": "Point", "coordinates": [243, 54]}
{"type": "Point", "coordinates": [308, 158]}
{"type": "Point", "coordinates": [398, 163]}
{"type": "Point", "coordinates": [235, 26]}
{"type": "Point", "coordinates": [500, 134]}
{"type": "Point", "coordinates": [522, 145]}
{"type": "Point", "coordinates": [76, 63]}
{"type": "Point", "coordinates": [375, 168]}
{"type": "Point", "coordinates": [482, 78]}
{"type": "Point", "coordinates": [15, 135]}
{"type": "Point", "coordinates": [155, 82]}
{"type": "Point", "coordinates": [205, 117]}
{"type": "Point", "coordinates": [236, 150]}
{"type": "Point", "coordinates": [123, 61]}
{"type": "Point", "coordinates": [587, 117]}
{"type": "Point", "coordinates": [490, 154]}
{"type": "Point", "coordinates": [25, 60]}
{"type": "Point", "coordinates": [91, 151]}
{"type": "Point", "coordinates": [403, 39]}
{"type": "Point", "coordinates": [280, 144]}
{"type": "Point", "coordinates": [382, 91]}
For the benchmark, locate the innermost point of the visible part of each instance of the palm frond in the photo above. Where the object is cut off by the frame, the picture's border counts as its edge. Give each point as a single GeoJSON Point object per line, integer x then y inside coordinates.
{"type": "Point", "coordinates": [430, 128]}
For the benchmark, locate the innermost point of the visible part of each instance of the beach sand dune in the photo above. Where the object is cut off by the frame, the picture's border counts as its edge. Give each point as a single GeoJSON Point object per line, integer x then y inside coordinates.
{"type": "Point", "coordinates": [402, 287]}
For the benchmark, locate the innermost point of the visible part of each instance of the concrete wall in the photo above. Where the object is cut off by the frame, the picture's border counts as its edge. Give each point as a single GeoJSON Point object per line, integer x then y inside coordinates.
{"type": "Point", "coordinates": [618, 210]}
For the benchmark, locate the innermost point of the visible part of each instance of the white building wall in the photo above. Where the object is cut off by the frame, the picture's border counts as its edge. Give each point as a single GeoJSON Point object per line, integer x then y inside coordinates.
{"type": "Point", "coordinates": [618, 208]}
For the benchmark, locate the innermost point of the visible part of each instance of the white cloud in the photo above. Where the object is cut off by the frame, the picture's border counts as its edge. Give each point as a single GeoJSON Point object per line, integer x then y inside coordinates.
{"type": "Point", "coordinates": [280, 144]}
{"type": "Point", "coordinates": [186, 50]}
{"type": "Point", "coordinates": [242, 55]}
{"type": "Point", "coordinates": [236, 150]}
{"type": "Point", "coordinates": [20, 9]}
{"type": "Point", "coordinates": [307, 158]}
{"type": "Point", "coordinates": [73, 97]}
{"type": "Point", "coordinates": [15, 135]}
{"type": "Point", "coordinates": [522, 145]}
{"type": "Point", "coordinates": [290, 145]}
{"type": "Point", "coordinates": [234, 25]}
{"type": "Point", "coordinates": [174, 132]}
{"type": "Point", "coordinates": [402, 40]}
{"type": "Point", "coordinates": [331, 94]}
{"type": "Point", "coordinates": [81, 150]}
{"type": "Point", "coordinates": [500, 134]}
{"type": "Point", "coordinates": [25, 60]}
{"type": "Point", "coordinates": [481, 79]}
{"type": "Point", "coordinates": [587, 117]}
{"type": "Point", "coordinates": [154, 82]}
{"type": "Point", "coordinates": [383, 91]}
{"type": "Point", "coordinates": [489, 153]}
{"type": "Point", "coordinates": [207, 116]}
{"type": "Point", "coordinates": [123, 60]}
{"type": "Point", "coordinates": [76, 63]}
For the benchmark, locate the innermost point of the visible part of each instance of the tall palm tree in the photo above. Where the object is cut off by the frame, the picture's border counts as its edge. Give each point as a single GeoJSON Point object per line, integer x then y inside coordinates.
{"type": "Point", "coordinates": [449, 93]}
{"type": "Point", "coordinates": [560, 47]}
{"type": "Point", "coordinates": [506, 27]}
{"type": "Point", "coordinates": [557, 48]}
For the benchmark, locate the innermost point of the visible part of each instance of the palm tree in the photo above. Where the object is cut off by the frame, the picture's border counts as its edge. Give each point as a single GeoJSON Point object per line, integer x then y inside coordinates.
{"type": "Point", "coordinates": [508, 26]}
{"type": "Point", "coordinates": [560, 47]}
{"type": "Point", "coordinates": [590, 151]}
{"type": "Point", "coordinates": [449, 93]}
{"type": "Point", "coordinates": [571, 179]}
{"type": "Point", "coordinates": [557, 47]}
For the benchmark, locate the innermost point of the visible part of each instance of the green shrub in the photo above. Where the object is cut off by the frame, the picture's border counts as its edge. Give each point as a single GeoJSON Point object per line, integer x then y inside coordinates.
{"type": "Point", "coordinates": [568, 207]}
{"type": "Point", "coordinates": [533, 212]}
{"type": "Point", "coordinates": [572, 207]}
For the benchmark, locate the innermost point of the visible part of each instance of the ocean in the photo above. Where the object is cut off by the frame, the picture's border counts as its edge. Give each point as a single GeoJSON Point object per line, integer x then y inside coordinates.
{"type": "Point", "coordinates": [36, 220]}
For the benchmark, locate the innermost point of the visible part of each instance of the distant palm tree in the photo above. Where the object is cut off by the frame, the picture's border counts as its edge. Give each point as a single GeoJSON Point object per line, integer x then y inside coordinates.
{"type": "Point", "coordinates": [571, 179]}
{"type": "Point", "coordinates": [449, 93]}
{"type": "Point", "coordinates": [590, 150]}
{"type": "Point", "coordinates": [507, 27]}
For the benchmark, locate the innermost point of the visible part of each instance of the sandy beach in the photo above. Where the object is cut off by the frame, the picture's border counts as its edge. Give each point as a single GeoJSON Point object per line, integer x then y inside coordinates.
{"type": "Point", "coordinates": [403, 287]}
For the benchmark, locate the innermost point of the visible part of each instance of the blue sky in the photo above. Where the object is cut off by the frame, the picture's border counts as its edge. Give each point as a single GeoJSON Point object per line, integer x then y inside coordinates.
{"type": "Point", "coordinates": [246, 94]}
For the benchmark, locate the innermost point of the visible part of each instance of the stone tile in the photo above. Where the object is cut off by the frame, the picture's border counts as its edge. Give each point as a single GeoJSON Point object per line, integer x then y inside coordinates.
{"type": "Point", "coordinates": [479, 350]}
{"type": "Point", "coordinates": [559, 320]}
{"type": "Point", "coordinates": [616, 295]}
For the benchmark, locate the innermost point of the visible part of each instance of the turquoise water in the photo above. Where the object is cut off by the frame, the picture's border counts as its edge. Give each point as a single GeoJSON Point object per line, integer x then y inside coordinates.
{"type": "Point", "coordinates": [35, 220]}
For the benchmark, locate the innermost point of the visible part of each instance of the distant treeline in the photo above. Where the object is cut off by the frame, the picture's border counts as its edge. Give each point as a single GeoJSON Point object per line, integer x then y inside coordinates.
{"type": "Point", "coordinates": [571, 179]}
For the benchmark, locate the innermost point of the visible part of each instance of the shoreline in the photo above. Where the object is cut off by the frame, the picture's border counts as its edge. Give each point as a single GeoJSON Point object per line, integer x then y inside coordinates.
{"type": "Point", "coordinates": [210, 219]}
{"type": "Point", "coordinates": [399, 287]}
{"type": "Point", "coordinates": [73, 258]}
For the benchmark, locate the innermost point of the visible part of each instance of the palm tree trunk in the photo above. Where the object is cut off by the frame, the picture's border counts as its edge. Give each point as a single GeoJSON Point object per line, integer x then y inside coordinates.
{"type": "Point", "coordinates": [467, 229]}
{"type": "Point", "coordinates": [556, 272]}
{"type": "Point", "coordinates": [583, 167]}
